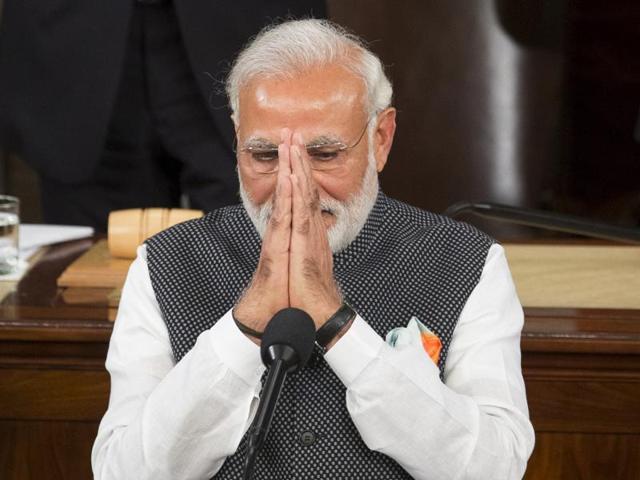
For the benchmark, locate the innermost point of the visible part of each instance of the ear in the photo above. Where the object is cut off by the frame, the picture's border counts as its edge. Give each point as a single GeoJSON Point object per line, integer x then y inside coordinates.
{"type": "Point", "coordinates": [383, 136]}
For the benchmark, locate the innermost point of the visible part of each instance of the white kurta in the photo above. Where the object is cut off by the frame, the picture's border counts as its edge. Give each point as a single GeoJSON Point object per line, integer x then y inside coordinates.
{"type": "Point", "coordinates": [180, 421]}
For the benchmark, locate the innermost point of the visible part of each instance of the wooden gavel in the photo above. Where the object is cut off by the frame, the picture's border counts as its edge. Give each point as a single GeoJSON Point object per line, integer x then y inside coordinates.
{"type": "Point", "coordinates": [129, 228]}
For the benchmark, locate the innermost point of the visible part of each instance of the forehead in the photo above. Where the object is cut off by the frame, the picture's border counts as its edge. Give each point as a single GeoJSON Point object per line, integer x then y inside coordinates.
{"type": "Point", "coordinates": [327, 97]}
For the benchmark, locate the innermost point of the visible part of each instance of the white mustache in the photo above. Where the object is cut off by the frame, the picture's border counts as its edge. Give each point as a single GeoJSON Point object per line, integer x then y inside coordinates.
{"type": "Point", "coordinates": [329, 205]}
{"type": "Point", "coordinates": [350, 215]}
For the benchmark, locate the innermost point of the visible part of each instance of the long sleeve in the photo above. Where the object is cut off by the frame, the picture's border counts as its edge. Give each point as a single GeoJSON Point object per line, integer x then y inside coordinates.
{"type": "Point", "coordinates": [475, 425]}
{"type": "Point", "coordinates": [168, 420]}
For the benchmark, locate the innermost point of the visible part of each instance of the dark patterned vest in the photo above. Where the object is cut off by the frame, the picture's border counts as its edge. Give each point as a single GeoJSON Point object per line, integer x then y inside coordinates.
{"type": "Point", "coordinates": [405, 262]}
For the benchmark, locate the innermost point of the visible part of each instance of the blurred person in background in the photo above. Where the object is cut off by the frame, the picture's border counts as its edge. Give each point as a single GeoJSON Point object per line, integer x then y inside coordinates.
{"type": "Point", "coordinates": [116, 104]}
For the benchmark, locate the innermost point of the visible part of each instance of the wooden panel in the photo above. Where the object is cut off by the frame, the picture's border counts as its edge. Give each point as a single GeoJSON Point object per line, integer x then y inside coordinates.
{"type": "Point", "coordinates": [603, 99]}
{"type": "Point", "coordinates": [46, 450]}
{"type": "Point", "coordinates": [522, 102]}
{"type": "Point", "coordinates": [29, 394]}
{"type": "Point", "coordinates": [582, 331]}
{"type": "Point", "coordinates": [478, 113]}
{"type": "Point", "coordinates": [47, 354]}
{"type": "Point", "coordinates": [585, 457]}
{"type": "Point", "coordinates": [589, 407]}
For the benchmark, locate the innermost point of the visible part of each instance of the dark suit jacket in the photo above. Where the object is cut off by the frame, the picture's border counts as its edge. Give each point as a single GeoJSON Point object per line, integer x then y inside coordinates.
{"type": "Point", "coordinates": [60, 65]}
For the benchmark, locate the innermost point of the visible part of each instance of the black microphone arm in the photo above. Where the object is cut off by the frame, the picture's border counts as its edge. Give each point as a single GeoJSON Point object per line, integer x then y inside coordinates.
{"type": "Point", "coordinates": [285, 360]}
{"type": "Point", "coordinates": [546, 220]}
{"type": "Point", "coordinates": [286, 345]}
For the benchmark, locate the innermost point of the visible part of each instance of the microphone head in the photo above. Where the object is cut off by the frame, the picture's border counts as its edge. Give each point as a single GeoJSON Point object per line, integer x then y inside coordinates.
{"type": "Point", "coordinates": [291, 327]}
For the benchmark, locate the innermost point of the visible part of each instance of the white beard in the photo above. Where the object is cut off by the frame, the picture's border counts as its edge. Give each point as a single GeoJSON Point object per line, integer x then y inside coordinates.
{"type": "Point", "coordinates": [350, 215]}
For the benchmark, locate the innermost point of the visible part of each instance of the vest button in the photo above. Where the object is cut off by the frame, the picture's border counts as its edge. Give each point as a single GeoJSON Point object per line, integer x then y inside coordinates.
{"type": "Point", "coordinates": [307, 438]}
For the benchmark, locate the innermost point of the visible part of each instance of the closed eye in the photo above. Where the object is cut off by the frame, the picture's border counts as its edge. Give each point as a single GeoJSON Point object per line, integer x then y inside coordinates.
{"type": "Point", "coordinates": [324, 156]}
{"type": "Point", "coordinates": [324, 153]}
{"type": "Point", "coordinates": [265, 155]}
{"type": "Point", "coordinates": [262, 154]}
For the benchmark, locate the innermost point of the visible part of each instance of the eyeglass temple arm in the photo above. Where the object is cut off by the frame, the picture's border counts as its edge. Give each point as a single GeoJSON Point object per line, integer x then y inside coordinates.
{"type": "Point", "coordinates": [546, 220]}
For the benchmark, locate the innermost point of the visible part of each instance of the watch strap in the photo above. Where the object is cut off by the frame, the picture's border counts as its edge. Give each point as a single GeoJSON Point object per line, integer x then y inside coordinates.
{"type": "Point", "coordinates": [246, 330]}
{"type": "Point", "coordinates": [332, 327]}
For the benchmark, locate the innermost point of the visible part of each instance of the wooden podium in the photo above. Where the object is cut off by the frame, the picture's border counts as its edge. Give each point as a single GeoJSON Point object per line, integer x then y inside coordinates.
{"type": "Point", "coordinates": [580, 355]}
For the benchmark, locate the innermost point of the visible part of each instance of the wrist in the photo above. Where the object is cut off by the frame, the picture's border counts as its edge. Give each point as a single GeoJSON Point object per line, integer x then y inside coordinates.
{"type": "Point", "coordinates": [253, 335]}
{"type": "Point", "coordinates": [253, 311]}
{"type": "Point", "coordinates": [246, 316]}
{"type": "Point", "coordinates": [330, 305]}
{"type": "Point", "coordinates": [329, 309]}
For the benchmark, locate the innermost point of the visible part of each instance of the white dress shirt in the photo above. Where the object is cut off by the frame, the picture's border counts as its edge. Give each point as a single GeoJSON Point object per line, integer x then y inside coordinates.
{"type": "Point", "coordinates": [170, 420]}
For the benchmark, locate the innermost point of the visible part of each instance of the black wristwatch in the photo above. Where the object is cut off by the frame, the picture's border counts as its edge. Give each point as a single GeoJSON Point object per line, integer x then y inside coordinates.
{"type": "Point", "coordinates": [332, 327]}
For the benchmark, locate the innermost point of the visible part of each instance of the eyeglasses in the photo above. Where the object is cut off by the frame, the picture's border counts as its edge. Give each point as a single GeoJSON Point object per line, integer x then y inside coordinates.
{"type": "Point", "coordinates": [323, 156]}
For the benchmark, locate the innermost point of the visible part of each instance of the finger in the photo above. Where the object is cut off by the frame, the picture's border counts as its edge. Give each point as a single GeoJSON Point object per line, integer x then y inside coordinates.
{"type": "Point", "coordinates": [281, 214]}
{"type": "Point", "coordinates": [308, 185]}
{"type": "Point", "coordinates": [301, 222]}
{"type": "Point", "coordinates": [295, 161]}
{"type": "Point", "coordinates": [309, 195]}
{"type": "Point", "coordinates": [299, 156]}
{"type": "Point", "coordinates": [305, 161]}
{"type": "Point", "coordinates": [308, 188]}
{"type": "Point", "coordinates": [296, 166]}
{"type": "Point", "coordinates": [284, 163]}
{"type": "Point", "coordinates": [278, 236]}
{"type": "Point", "coordinates": [282, 200]}
{"type": "Point", "coordinates": [283, 185]}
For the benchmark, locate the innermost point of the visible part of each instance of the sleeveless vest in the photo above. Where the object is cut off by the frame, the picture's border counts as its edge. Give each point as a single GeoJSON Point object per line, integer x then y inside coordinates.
{"type": "Point", "coordinates": [404, 262]}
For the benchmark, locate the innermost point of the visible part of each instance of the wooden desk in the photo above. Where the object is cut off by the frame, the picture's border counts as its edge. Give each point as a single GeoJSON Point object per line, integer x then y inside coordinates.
{"type": "Point", "coordinates": [53, 385]}
{"type": "Point", "coordinates": [581, 367]}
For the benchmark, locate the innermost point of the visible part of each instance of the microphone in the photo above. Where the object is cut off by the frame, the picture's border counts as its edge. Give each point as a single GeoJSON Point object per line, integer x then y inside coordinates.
{"type": "Point", "coordinates": [287, 343]}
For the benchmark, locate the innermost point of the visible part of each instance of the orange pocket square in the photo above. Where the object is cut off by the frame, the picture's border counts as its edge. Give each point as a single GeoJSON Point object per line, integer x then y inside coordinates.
{"type": "Point", "coordinates": [416, 333]}
{"type": "Point", "coordinates": [432, 345]}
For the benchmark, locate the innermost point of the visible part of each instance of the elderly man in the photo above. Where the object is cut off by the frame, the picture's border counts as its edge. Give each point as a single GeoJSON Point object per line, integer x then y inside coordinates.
{"type": "Point", "coordinates": [314, 128]}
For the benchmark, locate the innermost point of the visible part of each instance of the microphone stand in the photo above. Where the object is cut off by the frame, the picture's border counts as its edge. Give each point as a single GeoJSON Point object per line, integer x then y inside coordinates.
{"type": "Point", "coordinates": [284, 360]}
{"type": "Point", "coordinates": [286, 345]}
{"type": "Point", "coordinates": [546, 220]}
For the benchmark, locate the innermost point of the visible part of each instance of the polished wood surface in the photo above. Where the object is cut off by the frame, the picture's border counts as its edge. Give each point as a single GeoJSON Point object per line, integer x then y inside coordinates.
{"type": "Point", "coordinates": [581, 368]}
{"type": "Point", "coordinates": [570, 276]}
{"type": "Point", "coordinates": [96, 268]}
{"type": "Point", "coordinates": [562, 456]}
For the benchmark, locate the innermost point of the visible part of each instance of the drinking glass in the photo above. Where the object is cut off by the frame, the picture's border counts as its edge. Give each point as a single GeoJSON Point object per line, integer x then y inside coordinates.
{"type": "Point", "coordinates": [9, 225]}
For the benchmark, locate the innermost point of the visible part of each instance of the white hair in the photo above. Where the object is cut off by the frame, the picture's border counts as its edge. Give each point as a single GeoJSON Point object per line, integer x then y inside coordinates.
{"type": "Point", "coordinates": [298, 46]}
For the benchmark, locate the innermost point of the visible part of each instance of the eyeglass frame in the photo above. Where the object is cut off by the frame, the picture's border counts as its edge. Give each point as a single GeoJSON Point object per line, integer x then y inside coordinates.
{"type": "Point", "coordinates": [340, 146]}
